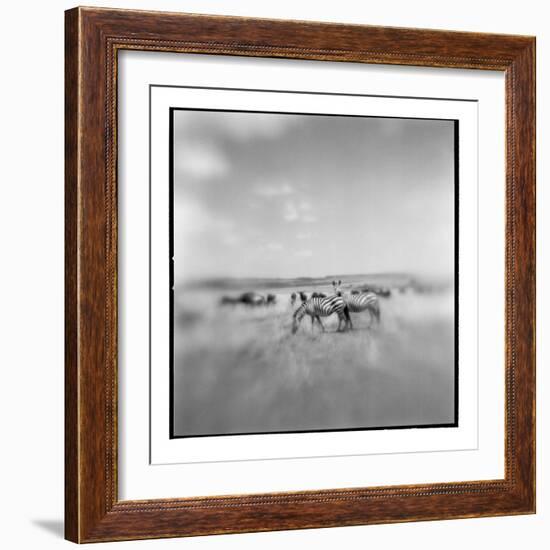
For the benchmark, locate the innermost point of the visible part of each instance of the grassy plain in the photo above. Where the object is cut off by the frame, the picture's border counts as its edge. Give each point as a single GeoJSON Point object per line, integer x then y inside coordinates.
{"type": "Point", "coordinates": [238, 369]}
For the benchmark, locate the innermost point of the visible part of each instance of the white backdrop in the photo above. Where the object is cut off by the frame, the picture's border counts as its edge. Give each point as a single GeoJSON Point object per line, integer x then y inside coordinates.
{"type": "Point", "coordinates": [31, 293]}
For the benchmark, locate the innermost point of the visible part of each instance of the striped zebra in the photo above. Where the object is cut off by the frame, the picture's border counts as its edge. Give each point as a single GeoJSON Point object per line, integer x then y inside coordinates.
{"type": "Point", "coordinates": [364, 301]}
{"type": "Point", "coordinates": [367, 301]}
{"type": "Point", "coordinates": [321, 307]}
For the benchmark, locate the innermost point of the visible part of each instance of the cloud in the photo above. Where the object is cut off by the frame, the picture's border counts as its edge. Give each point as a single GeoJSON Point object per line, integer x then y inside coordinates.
{"type": "Point", "coordinates": [304, 253]}
{"type": "Point", "coordinates": [191, 217]}
{"type": "Point", "coordinates": [290, 212]}
{"type": "Point", "coordinates": [303, 236]}
{"type": "Point", "coordinates": [298, 212]}
{"type": "Point", "coordinates": [201, 161]}
{"type": "Point", "coordinates": [193, 221]}
{"type": "Point", "coordinates": [270, 191]}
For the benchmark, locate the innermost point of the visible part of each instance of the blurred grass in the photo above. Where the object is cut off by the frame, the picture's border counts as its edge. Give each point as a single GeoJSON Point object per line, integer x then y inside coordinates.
{"type": "Point", "coordinates": [239, 369]}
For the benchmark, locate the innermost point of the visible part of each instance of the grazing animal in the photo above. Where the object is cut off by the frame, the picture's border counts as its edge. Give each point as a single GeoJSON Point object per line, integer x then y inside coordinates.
{"type": "Point", "coordinates": [252, 299]}
{"type": "Point", "coordinates": [322, 307]}
{"type": "Point", "coordinates": [271, 299]}
{"type": "Point", "coordinates": [303, 296]}
{"type": "Point", "coordinates": [229, 301]}
{"type": "Point", "coordinates": [318, 295]}
{"type": "Point", "coordinates": [292, 298]}
{"type": "Point", "coordinates": [380, 291]}
{"type": "Point", "coordinates": [368, 301]}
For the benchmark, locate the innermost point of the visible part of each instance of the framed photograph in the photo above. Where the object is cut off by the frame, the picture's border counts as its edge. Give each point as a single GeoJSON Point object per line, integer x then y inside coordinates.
{"type": "Point", "coordinates": [300, 275]}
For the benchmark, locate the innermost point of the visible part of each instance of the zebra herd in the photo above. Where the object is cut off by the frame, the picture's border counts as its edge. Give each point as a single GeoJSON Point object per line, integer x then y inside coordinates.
{"type": "Point", "coordinates": [249, 299]}
{"type": "Point", "coordinates": [320, 305]}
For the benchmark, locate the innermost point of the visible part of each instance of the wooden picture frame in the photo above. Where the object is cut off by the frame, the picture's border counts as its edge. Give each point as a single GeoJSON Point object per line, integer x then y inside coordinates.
{"type": "Point", "coordinates": [93, 511]}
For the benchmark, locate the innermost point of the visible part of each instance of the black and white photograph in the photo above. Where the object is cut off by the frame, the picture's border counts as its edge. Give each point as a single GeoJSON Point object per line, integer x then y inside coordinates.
{"type": "Point", "coordinates": [314, 272]}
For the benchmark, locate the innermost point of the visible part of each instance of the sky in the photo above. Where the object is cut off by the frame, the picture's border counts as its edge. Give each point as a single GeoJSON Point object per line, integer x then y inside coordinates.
{"type": "Point", "coordinates": [287, 195]}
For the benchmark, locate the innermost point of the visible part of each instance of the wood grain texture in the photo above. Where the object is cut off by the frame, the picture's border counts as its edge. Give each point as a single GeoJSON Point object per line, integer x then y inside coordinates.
{"type": "Point", "coordinates": [71, 269]}
{"type": "Point", "coordinates": [93, 38]}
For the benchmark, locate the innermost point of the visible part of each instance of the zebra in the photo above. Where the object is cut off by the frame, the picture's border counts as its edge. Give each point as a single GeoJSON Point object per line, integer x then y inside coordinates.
{"type": "Point", "coordinates": [303, 296]}
{"type": "Point", "coordinates": [356, 303]}
{"type": "Point", "coordinates": [322, 307]}
{"type": "Point", "coordinates": [368, 301]}
{"type": "Point", "coordinates": [292, 298]}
